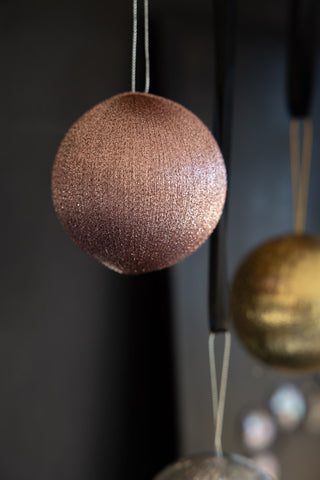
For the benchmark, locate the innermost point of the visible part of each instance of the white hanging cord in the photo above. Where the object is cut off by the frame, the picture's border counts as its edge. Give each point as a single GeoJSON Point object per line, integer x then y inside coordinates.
{"type": "Point", "coordinates": [146, 45]}
{"type": "Point", "coordinates": [213, 377]}
{"type": "Point", "coordinates": [219, 400]}
{"type": "Point", "coordinates": [134, 45]}
{"type": "Point", "coordinates": [300, 169]}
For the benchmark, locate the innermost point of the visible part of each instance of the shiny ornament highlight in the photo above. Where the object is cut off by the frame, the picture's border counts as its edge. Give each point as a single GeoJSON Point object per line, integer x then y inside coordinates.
{"type": "Point", "coordinates": [209, 467]}
{"type": "Point", "coordinates": [139, 183]}
{"type": "Point", "coordinates": [259, 430]}
{"type": "Point", "coordinates": [275, 302]}
{"type": "Point", "coordinates": [288, 405]}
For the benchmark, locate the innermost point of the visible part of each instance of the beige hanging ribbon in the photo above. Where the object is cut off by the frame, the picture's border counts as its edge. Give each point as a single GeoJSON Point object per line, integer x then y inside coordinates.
{"type": "Point", "coordinates": [219, 399]}
{"type": "Point", "coordinates": [300, 169]}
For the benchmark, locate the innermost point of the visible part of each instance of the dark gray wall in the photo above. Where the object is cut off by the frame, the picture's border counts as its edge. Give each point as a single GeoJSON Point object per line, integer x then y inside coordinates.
{"type": "Point", "coordinates": [85, 367]}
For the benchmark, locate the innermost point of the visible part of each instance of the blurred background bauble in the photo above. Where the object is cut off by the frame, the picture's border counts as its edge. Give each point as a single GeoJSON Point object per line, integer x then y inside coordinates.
{"type": "Point", "coordinates": [275, 302]}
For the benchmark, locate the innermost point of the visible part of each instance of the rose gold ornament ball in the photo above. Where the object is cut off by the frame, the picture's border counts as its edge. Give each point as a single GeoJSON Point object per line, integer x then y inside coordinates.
{"type": "Point", "coordinates": [139, 183]}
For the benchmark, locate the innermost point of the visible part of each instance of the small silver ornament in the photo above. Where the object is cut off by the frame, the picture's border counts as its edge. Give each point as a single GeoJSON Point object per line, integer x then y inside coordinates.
{"type": "Point", "coordinates": [211, 467]}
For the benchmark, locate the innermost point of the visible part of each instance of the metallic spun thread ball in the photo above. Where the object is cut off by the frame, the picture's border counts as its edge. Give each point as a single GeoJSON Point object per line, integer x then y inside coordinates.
{"type": "Point", "coordinates": [275, 302]}
{"type": "Point", "coordinates": [139, 183]}
{"type": "Point", "coordinates": [209, 467]}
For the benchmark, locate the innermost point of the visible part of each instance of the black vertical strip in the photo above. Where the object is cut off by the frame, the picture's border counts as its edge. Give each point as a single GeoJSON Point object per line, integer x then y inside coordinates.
{"type": "Point", "coordinates": [152, 432]}
{"type": "Point", "coordinates": [142, 423]}
{"type": "Point", "coordinates": [303, 15]}
{"type": "Point", "coordinates": [224, 22]}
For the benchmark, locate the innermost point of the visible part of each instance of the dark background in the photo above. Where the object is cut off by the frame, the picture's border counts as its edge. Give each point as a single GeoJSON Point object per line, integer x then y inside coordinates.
{"type": "Point", "coordinates": [104, 376]}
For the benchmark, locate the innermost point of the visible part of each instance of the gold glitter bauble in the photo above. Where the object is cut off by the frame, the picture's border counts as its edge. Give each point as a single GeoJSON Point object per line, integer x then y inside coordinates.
{"type": "Point", "coordinates": [209, 467]}
{"type": "Point", "coordinates": [139, 183]}
{"type": "Point", "coordinates": [275, 302]}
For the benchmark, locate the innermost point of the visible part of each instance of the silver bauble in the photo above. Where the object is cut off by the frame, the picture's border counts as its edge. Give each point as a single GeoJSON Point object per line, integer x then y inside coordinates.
{"type": "Point", "coordinates": [210, 467]}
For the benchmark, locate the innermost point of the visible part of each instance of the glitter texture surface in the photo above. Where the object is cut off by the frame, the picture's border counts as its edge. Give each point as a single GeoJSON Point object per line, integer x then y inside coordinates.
{"type": "Point", "coordinates": [139, 183]}
{"type": "Point", "coordinates": [209, 467]}
{"type": "Point", "coordinates": [275, 302]}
